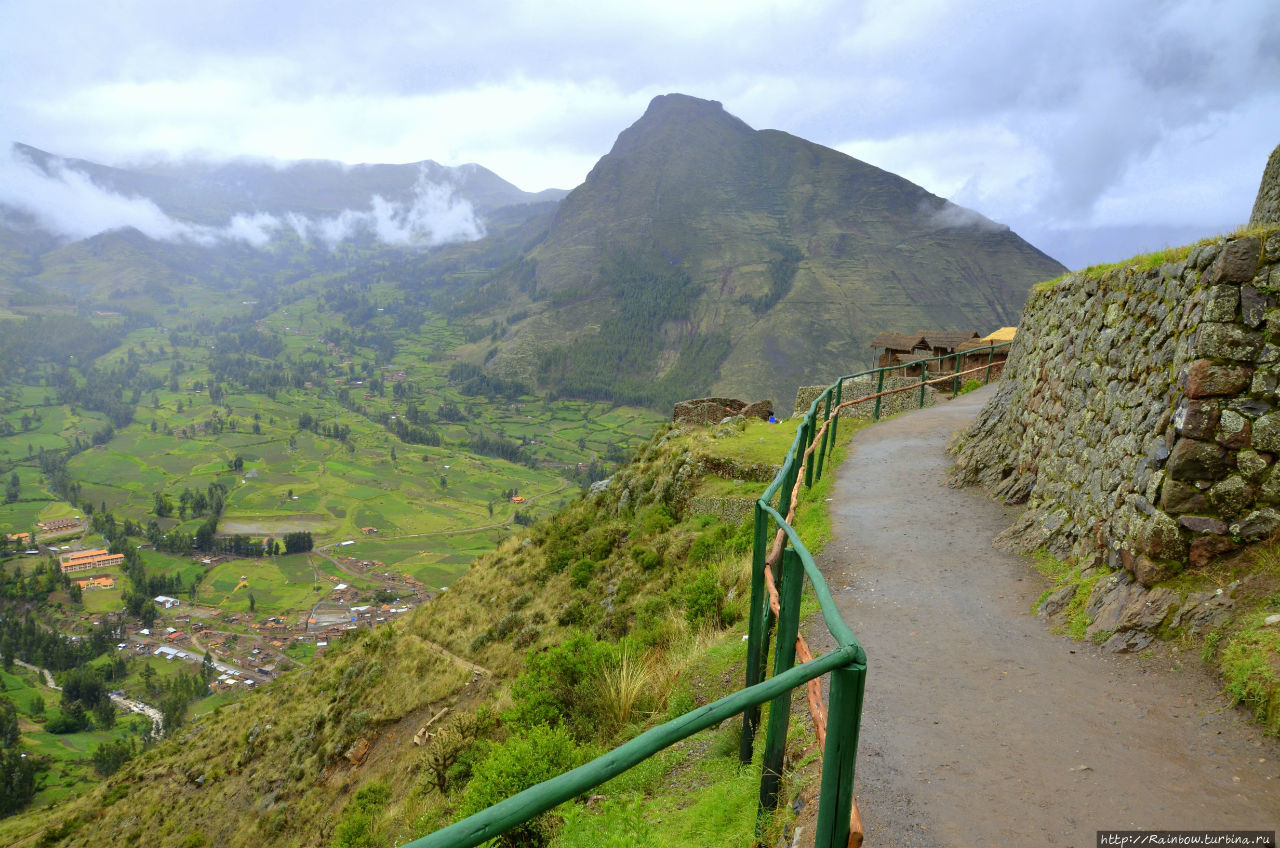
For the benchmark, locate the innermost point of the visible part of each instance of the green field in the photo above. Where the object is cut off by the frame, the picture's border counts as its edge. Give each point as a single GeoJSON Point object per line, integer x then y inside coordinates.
{"type": "Point", "coordinates": [69, 769]}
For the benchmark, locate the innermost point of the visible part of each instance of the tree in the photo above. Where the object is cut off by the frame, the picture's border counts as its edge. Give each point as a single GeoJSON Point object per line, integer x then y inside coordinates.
{"type": "Point", "coordinates": [17, 781]}
{"type": "Point", "coordinates": [104, 714]}
{"type": "Point", "coordinates": [8, 723]}
{"type": "Point", "coordinates": [207, 669]}
{"type": "Point", "coordinates": [110, 755]}
{"type": "Point", "coordinates": [14, 488]}
{"type": "Point", "coordinates": [252, 602]}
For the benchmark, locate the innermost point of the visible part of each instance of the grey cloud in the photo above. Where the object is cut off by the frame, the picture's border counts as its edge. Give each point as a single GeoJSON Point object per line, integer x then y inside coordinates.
{"type": "Point", "coordinates": [68, 202]}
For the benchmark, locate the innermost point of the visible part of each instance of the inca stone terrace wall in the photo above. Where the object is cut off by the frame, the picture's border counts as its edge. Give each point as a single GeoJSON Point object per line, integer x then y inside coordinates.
{"type": "Point", "coordinates": [1266, 208]}
{"type": "Point", "coordinates": [1139, 415]}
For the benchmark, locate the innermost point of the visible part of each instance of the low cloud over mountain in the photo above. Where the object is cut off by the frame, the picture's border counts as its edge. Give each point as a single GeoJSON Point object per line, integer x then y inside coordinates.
{"type": "Point", "coordinates": [65, 199]}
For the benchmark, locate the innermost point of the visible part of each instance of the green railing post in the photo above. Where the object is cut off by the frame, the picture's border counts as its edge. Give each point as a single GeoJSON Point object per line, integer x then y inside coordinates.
{"type": "Point", "coordinates": [758, 618]}
{"type": "Point", "coordinates": [810, 430]}
{"type": "Point", "coordinates": [793, 472]}
{"type": "Point", "coordinates": [843, 719]}
{"type": "Point", "coordinates": [775, 744]}
{"type": "Point", "coordinates": [875, 416]}
{"type": "Point", "coordinates": [955, 381]}
{"type": "Point", "coordinates": [924, 377]}
{"type": "Point", "coordinates": [834, 421]}
{"type": "Point", "coordinates": [991, 354]}
{"type": "Point", "coordinates": [826, 434]}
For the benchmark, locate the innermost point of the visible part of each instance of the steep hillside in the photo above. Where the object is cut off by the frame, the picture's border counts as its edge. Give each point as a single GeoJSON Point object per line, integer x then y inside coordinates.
{"type": "Point", "coordinates": [774, 260]}
{"type": "Point", "coordinates": [621, 611]}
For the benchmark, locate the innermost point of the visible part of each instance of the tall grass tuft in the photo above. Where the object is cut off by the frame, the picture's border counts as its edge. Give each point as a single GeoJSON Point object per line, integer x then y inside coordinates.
{"type": "Point", "coordinates": [624, 687]}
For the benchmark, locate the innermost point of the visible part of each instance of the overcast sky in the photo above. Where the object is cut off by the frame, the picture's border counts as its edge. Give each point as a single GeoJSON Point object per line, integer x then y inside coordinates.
{"type": "Point", "coordinates": [1094, 129]}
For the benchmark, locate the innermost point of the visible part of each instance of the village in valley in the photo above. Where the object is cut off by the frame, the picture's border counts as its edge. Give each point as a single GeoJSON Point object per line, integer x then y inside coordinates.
{"type": "Point", "coordinates": [246, 648]}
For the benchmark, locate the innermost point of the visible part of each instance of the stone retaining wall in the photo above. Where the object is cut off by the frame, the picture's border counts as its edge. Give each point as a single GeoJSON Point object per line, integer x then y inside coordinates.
{"type": "Point", "coordinates": [1137, 417]}
{"type": "Point", "coordinates": [1266, 207]}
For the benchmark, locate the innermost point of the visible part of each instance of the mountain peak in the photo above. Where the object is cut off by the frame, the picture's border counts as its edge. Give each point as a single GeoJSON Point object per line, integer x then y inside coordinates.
{"type": "Point", "coordinates": [681, 104]}
{"type": "Point", "coordinates": [678, 119]}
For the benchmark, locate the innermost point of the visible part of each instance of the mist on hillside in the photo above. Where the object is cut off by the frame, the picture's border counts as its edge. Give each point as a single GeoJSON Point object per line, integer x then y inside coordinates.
{"type": "Point", "coordinates": [68, 202]}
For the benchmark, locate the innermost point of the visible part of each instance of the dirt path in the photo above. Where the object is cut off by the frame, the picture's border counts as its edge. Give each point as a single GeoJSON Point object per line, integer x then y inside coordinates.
{"type": "Point", "coordinates": [982, 727]}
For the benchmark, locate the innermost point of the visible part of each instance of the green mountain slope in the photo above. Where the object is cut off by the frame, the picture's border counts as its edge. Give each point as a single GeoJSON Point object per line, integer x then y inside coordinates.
{"type": "Point", "coordinates": [539, 634]}
{"type": "Point", "coordinates": [787, 258]}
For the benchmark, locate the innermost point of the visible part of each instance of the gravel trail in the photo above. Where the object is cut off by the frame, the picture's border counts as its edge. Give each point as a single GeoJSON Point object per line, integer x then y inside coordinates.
{"type": "Point", "coordinates": [983, 727]}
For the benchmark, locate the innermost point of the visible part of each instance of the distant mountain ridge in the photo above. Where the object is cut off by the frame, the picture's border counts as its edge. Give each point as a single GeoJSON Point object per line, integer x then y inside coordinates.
{"type": "Point", "coordinates": [795, 255]}
{"type": "Point", "coordinates": [699, 255]}
{"type": "Point", "coordinates": [208, 191]}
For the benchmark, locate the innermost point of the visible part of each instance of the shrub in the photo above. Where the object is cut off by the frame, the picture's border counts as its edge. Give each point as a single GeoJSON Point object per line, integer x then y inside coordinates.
{"type": "Point", "coordinates": [558, 558]}
{"type": "Point", "coordinates": [577, 613]}
{"type": "Point", "coordinates": [656, 519]}
{"type": "Point", "coordinates": [557, 687]}
{"type": "Point", "coordinates": [598, 542]}
{"type": "Point", "coordinates": [709, 545]}
{"type": "Point", "coordinates": [704, 600]}
{"type": "Point", "coordinates": [358, 825]}
{"type": "Point", "coordinates": [580, 574]}
{"type": "Point", "coordinates": [647, 558]}
{"type": "Point", "coordinates": [526, 758]}
{"type": "Point", "coordinates": [508, 624]}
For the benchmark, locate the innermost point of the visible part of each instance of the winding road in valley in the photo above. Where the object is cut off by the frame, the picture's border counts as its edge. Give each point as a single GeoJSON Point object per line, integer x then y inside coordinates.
{"type": "Point", "coordinates": [983, 727]}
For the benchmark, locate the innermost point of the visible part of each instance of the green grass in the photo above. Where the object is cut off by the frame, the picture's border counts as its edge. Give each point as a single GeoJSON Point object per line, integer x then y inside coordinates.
{"type": "Point", "coordinates": [1250, 665]}
{"type": "Point", "coordinates": [761, 442]}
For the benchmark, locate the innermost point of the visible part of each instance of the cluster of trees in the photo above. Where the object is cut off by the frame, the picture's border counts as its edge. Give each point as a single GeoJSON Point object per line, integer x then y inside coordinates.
{"type": "Point", "coordinates": [17, 771]}
{"type": "Point", "coordinates": [330, 430]}
{"type": "Point", "coordinates": [489, 445]}
{"type": "Point", "coordinates": [413, 434]}
{"type": "Point", "coordinates": [209, 502]}
{"type": "Point", "coordinates": [139, 597]}
{"type": "Point", "coordinates": [24, 639]}
{"type": "Point", "coordinates": [104, 390]}
{"type": "Point", "coordinates": [617, 363]}
{"type": "Point", "coordinates": [45, 577]}
{"type": "Point", "coordinates": [298, 542]}
{"type": "Point", "coordinates": [172, 695]}
{"type": "Point", "coordinates": [47, 343]}
{"type": "Point", "coordinates": [53, 465]}
{"type": "Point", "coordinates": [447, 411]}
{"type": "Point", "coordinates": [84, 693]}
{"type": "Point", "coordinates": [13, 488]}
{"type": "Point", "coordinates": [782, 273]}
{"type": "Point", "coordinates": [240, 545]}
{"type": "Point", "coordinates": [473, 381]}
{"type": "Point", "coordinates": [492, 387]}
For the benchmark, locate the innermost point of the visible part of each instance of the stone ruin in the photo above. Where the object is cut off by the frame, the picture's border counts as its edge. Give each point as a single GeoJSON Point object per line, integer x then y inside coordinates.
{"type": "Point", "coordinates": [713, 410]}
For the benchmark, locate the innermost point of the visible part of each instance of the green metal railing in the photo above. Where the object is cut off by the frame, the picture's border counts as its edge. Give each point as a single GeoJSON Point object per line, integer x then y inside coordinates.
{"type": "Point", "coordinates": [846, 663]}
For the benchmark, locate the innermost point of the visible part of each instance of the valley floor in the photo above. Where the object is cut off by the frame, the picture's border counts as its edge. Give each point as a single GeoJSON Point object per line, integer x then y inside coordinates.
{"type": "Point", "coordinates": [981, 726]}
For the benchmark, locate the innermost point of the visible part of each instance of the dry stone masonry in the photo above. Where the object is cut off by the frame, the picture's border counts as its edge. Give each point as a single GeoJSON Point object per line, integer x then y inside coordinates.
{"type": "Point", "coordinates": [1266, 209]}
{"type": "Point", "coordinates": [1139, 415]}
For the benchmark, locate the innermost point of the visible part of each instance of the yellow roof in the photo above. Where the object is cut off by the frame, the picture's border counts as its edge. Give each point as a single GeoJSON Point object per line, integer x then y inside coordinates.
{"type": "Point", "coordinates": [1004, 334]}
